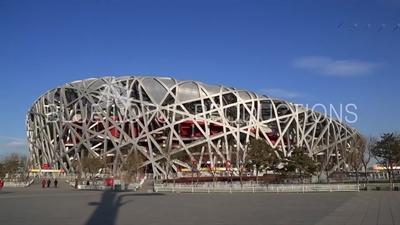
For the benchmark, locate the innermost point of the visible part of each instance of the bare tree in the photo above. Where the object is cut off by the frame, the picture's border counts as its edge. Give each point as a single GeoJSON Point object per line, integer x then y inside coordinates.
{"type": "Point", "coordinates": [355, 157]}
{"type": "Point", "coordinates": [199, 152]}
{"type": "Point", "coordinates": [2, 171]}
{"type": "Point", "coordinates": [198, 174]}
{"type": "Point", "coordinates": [327, 167]}
{"type": "Point", "coordinates": [233, 165]}
{"type": "Point", "coordinates": [92, 166]}
{"type": "Point", "coordinates": [14, 165]}
{"type": "Point", "coordinates": [195, 151]}
{"type": "Point", "coordinates": [131, 166]}
{"type": "Point", "coordinates": [243, 161]}
{"type": "Point", "coordinates": [172, 157]}
{"type": "Point", "coordinates": [24, 166]}
{"type": "Point", "coordinates": [370, 144]}
{"type": "Point", "coordinates": [77, 168]}
{"type": "Point", "coordinates": [339, 177]}
{"type": "Point", "coordinates": [214, 173]}
{"type": "Point", "coordinates": [167, 161]}
{"type": "Point", "coordinates": [214, 158]}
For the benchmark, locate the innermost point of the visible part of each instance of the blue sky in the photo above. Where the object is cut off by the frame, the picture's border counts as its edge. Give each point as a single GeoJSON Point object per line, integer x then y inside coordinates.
{"type": "Point", "coordinates": [286, 49]}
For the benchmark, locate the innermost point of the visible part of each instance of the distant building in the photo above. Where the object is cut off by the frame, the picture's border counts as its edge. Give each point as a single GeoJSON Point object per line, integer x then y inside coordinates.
{"type": "Point", "coordinates": [109, 117]}
{"type": "Point", "coordinates": [379, 168]}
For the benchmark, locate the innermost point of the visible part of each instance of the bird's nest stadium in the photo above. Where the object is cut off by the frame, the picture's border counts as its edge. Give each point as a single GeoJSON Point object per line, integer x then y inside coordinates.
{"type": "Point", "coordinates": [110, 117]}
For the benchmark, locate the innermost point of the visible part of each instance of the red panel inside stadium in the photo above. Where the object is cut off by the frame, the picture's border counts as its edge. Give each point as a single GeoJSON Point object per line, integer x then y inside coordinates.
{"type": "Point", "coordinates": [215, 129]}
{"type": "Point", "coordinates": [114, 131]}
{"type": "Point", "coordinates": [186, 129]}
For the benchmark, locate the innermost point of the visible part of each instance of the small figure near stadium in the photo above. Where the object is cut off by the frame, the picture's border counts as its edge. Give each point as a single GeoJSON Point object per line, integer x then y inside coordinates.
{"type": "Point", "coordinates": [43, 183]}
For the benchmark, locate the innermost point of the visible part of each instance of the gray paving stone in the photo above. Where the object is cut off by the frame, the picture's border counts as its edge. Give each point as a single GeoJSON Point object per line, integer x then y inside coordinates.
{"type": "Point", "coordinates": [367, 208]}
{"type": "Point", "coordinates": [65, 205]}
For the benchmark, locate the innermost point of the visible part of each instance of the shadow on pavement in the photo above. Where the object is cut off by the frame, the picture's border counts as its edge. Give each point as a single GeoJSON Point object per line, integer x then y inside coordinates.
{"type": "Point", "coordinates": [107, 208]}
{"type": "Point", "coordinates": [5, 192]}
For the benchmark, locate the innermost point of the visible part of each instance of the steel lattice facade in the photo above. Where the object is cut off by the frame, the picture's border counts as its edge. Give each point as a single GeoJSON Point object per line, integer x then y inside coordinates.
{"type": "Point", "coordinates": [111, 117]}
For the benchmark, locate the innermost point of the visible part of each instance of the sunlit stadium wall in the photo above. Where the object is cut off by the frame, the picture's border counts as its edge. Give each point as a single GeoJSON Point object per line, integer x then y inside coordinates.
{"type": "Point", "coordinates": [161, 117]}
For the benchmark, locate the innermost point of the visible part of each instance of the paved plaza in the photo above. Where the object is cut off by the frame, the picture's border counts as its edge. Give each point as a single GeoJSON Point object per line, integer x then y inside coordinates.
{"type": "Point", "coordinates": [64, 206]}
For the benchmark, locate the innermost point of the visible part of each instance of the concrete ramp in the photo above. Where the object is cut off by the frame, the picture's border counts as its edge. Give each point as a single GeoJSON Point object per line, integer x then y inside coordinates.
{"type": "Point", "coordinates": [147, 186]}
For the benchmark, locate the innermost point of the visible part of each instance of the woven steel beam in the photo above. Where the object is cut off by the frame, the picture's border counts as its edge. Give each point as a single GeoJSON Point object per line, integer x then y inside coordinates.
{"type": "Point", "coordinates": [111, 117]}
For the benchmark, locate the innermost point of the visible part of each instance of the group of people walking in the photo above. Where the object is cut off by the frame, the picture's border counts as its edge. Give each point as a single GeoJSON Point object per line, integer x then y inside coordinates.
{"type": "Point", "coordinates": [48, 182]}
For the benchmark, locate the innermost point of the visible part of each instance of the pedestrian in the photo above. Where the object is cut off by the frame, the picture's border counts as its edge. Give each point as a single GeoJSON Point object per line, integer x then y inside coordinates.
{"type": "Point", "coordinates": [76, 183]}
{"type": "Point", "coordinates": [43, 183]}
{"type": "Point", "coordinates": [55, 183]}
{"type": "Point", "coordinates": [48, 183]}
{"type": "Point", "coordinates": [1, 184]}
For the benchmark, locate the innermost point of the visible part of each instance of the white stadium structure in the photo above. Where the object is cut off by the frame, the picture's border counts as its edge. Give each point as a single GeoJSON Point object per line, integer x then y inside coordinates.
{"type": "Point", "coordinates": [110, 117]}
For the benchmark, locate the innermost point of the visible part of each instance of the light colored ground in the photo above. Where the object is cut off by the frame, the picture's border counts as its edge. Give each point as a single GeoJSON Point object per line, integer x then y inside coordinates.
{"type": "Point", "coordinates": [64, 205]}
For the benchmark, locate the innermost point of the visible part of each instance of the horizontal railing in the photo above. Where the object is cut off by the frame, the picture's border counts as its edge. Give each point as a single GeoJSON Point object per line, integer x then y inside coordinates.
{"type": "Point", "coordinates": [94, 187]}
{"type": "Point", "coordinates": [380, 186]}
{"type": "Point", "coordinates": [18, 184]}
{"type": "Point", "coordinates": [131, 187]}
{"type": "Point", "coordinates": [295, 188]}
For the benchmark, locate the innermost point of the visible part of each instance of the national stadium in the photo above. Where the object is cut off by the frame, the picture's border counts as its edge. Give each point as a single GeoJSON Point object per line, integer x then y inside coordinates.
{"type": "Point", "coordinates": [159, 117]}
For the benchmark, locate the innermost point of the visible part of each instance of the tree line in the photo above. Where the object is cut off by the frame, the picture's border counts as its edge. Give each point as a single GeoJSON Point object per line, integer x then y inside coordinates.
{"type": "Point", "coordinates": [257, 155]}
{"type": "Point", "coordinates": [129, 170]}
{"type": "Point", "coordinates": [385, 150]}
{"type": "Point", "coordinates": [14, 166]}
